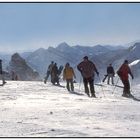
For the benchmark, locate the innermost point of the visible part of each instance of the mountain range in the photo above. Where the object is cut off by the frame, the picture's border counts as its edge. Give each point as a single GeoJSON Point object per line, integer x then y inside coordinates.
{"type": "Point", "coordinates": [101, 55]}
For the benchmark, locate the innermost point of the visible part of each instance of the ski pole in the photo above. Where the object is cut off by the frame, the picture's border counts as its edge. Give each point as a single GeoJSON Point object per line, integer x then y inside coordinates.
{"type": "Point", "coordinates": [80, 83]}
{"type": "Point", "coordinates": [115, 86]}
{"type": "Point", "coordinates": [131, 85]}
{"type": "Point", "coordinates": [101, 86]}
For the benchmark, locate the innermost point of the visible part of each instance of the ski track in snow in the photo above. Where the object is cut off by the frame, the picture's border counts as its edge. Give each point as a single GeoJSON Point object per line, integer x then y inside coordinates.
{"type": "Point", "coordinates": [35, 109]}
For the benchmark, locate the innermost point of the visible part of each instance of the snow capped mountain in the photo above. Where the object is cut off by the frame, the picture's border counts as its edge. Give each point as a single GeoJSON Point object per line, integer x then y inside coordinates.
{"type": "Point", "coordinates": [63, 46]}
{"type": "Point", "coordinates": [134, 62]}
{"type": "Point", "coordinates": [96, 50]}
{"type": "Point", "coordinates": [113, 48]}
{"type": "Point", "coordinates": [131, 43]}
{"type": "Point", "coordinates": [101, 55]}
{"type": "Point", "coordinates": [63, 53]}
{"type": "Point", "coordinates": [134, 52]}
{"type": "Point", "coordinates": [41, 58]}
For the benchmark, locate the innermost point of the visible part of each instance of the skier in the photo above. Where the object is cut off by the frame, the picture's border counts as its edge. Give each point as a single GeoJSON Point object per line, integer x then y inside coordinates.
{"type": "Point", "coordinates": [87, 69]}
{"type": "Point", "coordinates": [14, 76]}
{"type": "Point", "coordinates": [48, 71]}
{"type": "Point", "coordinates": [123, 72]}
{"type": "Point", "coordinates": [110, 73]}
{"type": "Point", "coordinates": [54, 74]}
{"type": "Point", "coordinates": [68, 74]}
{"type": "Point", "coordinates": [1, 73]}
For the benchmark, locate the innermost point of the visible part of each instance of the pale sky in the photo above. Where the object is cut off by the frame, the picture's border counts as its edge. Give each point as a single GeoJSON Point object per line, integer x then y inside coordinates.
{"type": "Point", "coordinates": [28, 26]}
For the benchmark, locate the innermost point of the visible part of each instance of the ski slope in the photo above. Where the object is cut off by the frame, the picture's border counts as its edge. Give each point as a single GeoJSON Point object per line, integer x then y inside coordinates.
{"type": "Point", "coordinates": [35, 109]}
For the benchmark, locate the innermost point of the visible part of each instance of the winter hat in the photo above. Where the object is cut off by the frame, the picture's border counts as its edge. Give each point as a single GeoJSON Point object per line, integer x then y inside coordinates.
{"type": "Point", "coordinates": [126, 61]}
{"type": "Point", "coordinates": [85, 57]}
{"type": "Point", "coordinates": [67, 64]}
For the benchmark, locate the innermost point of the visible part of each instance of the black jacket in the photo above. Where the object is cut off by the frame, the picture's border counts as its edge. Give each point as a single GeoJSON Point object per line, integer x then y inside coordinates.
{"type": "Point", "coordinates": [110, 70]}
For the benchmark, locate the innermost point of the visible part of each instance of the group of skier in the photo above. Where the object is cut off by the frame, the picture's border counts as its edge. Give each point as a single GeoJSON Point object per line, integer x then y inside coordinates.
{"type": "Point", "coordinates": [123, 73]}
{"type": "Point", "coordinates": [54, 72]}
{"type": "Point", "coordinates": [88, 69]}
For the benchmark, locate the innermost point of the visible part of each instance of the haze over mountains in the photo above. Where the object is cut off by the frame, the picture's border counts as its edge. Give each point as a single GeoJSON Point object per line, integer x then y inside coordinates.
{"type": "Point", "coordinates": [101, 55]}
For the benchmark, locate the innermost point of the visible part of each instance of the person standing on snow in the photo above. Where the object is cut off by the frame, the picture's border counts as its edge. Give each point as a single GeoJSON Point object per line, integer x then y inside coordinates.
{"type": "Point", "coordinates": [110, 73]}
{"type": "Point", "coordinates": [123, 72]}
{"type": "Point", "coordinates": [68, 74]}
{"type": "Point", "coordinates": [87, 69]}
{"type": "Point", "coordinates": [48, 72]}
{"type": "Point", "coordinates": [54, 74]}
{"type": "Point", "coordinates": [1, 73]}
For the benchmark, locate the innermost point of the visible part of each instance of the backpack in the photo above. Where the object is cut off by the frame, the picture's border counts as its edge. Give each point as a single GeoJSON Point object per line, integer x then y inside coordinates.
{"type": "Point", "coordinates": [119, 73]}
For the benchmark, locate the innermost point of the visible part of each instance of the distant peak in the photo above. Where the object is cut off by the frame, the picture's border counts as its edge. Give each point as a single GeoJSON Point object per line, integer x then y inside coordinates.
{"type": "Point", "coordinates": [16, 55]}
{"type": "Point", "coordinates": [40, 49]}
{"type": "Point", "coordinates": [63, 44]}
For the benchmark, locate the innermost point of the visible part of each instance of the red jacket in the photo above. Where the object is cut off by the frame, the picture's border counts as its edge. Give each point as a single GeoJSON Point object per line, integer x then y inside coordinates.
{"type": "Point", "coordinates": [123, 72]}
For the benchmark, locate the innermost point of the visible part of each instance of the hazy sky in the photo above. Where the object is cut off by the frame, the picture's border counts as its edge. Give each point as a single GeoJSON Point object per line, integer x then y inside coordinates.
{"type": "Point", "coordinates": [26, 26]}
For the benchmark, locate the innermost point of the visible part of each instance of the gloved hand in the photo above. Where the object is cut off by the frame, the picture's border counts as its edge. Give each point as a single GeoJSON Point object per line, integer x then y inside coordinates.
{"type": "Point", "coordinates": [97, 73]}
{"type": "Point", "coordinates": [132, 77]}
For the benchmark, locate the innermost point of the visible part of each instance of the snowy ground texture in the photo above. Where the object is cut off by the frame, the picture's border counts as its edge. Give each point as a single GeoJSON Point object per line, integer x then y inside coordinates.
{"type": "Point", "coordinates": [35, 109]}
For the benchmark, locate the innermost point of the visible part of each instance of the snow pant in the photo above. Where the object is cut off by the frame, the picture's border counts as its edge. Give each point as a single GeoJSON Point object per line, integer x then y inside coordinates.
{"type": "Point", "coordinates": [70, 85]}
{"type": "Point", "coordinates": [112, 80]}
{"type": "Point", "coordinates": [54, 79]}
{"type": "Point", "coordinates": [2, 77]}
{"type": "Point", "coordinates": [89, 81]}
{"type": "Point", "coordinates": [126, 89]}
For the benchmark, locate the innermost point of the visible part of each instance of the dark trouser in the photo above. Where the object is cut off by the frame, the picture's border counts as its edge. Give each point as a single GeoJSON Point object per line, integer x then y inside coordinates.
{"type": "Point", "coordinates": [91, 85]}
{"type": "Point", "coordinates": [126, 89]}
{"type": "Point", "coordinates": [54, 78]}
{"type": "Point", "coordinates": [70, 84]}
{"type": "Point", "coordinates": [110, 76]}
{"type": "Point", "coordinates": [2, 77]}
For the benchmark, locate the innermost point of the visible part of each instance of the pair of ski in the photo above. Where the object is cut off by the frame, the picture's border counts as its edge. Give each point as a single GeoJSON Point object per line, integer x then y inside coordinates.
{"type": "Point", "coordinates": [131, 97]}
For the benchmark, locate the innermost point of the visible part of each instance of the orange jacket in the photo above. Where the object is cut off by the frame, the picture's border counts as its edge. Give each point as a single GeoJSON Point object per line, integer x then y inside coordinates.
{"type": "Point", "coordinates": [68, 73]}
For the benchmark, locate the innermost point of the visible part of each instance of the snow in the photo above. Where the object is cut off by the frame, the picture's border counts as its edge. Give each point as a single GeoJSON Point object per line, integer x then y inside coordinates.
{"type": "Point", "coordinates": [35, 109]}
{"type": "Point", "coordinates": [135, 62]}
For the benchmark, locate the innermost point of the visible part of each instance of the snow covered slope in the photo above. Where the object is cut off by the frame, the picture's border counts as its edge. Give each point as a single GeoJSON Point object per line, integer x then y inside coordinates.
{"type": "Point", "coordinates": [35, 109]}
